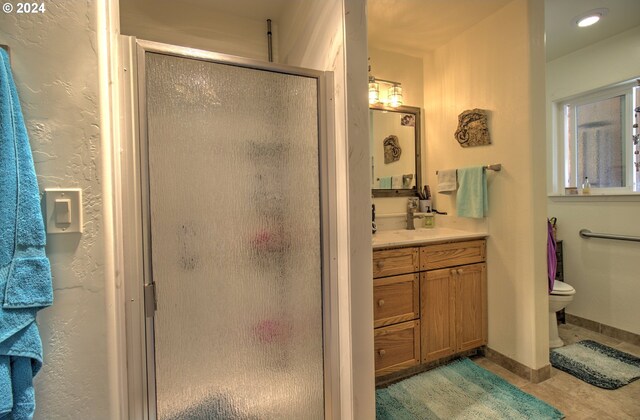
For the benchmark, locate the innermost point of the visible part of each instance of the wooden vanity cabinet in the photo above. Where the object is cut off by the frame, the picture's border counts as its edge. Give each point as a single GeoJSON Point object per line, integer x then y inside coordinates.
{"type": "Point", "coordinates": [430, 302]}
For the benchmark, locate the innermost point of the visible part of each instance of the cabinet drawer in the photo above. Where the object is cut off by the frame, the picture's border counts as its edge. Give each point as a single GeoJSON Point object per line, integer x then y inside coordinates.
{"type": "Point", "coordinates": [449, 255]}
{"type": "Point", "coordinates": [397, 347]}
{"type": "Point", "coordinates": [395, 299]}
{"type": "Point", "coordinates": [395, 261]}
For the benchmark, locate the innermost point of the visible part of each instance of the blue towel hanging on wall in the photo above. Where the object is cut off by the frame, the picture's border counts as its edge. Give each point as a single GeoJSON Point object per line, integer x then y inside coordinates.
{"type": "Point", "coordinates": [25, 274]}
{"type": "Point", "coordinates": [472, 200]}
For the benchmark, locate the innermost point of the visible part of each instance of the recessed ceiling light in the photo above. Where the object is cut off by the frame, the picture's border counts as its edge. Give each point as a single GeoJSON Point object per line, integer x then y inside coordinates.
{"type": "Point", "coordinates": [590, 17]}
{"type": "Point", "coordinates": [588, 21]}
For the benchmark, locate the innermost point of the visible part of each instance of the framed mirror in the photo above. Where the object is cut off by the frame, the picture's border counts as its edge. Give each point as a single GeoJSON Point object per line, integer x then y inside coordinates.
{"type": "Point", "coordinates": [394, 142]}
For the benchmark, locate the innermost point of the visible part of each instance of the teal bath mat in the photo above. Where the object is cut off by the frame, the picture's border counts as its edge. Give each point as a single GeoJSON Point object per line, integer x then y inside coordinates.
{"type": "Point", "coordinates": [597, 364]}
{"type": "Point", "coordinates": [459, 390]}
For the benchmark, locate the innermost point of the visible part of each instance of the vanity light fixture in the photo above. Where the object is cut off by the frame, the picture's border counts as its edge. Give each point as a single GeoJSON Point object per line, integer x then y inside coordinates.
{"type": "Point", "coordinates": [589, 18]}
{"type": "Point", "coordinates": [393, 95]}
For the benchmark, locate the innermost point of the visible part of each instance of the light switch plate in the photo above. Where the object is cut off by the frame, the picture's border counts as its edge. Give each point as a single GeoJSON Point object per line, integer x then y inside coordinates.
{"type": "Point", "coordinates": [74, 195]}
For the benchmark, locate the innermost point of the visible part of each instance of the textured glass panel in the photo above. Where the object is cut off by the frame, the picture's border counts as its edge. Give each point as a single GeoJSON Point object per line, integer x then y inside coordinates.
{"type": "Point", "coordinates": [235, 223]}
{"type": "Point", "coordinates": [600, 153]}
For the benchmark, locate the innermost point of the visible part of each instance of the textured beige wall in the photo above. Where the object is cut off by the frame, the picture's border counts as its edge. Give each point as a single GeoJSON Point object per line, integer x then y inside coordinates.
{"type": "Point", "coordinates": [497, 65]}
{"type": "Point", "coordinates": [55, 64]}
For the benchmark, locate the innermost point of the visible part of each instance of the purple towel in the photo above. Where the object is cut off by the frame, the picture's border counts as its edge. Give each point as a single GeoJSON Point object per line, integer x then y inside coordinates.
{"type": "Point", "coordinates": [552, 261]}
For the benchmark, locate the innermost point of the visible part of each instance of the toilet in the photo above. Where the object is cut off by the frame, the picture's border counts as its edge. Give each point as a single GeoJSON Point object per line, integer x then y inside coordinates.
{"type": "Point", "coordinates": [559, 298]}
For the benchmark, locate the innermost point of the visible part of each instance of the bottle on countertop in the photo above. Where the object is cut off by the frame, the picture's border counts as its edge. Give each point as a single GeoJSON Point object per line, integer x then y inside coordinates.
{"type": "Point", "coordinates": [429, 220]}
{"type": "Point", "coordinates": [586, 186]}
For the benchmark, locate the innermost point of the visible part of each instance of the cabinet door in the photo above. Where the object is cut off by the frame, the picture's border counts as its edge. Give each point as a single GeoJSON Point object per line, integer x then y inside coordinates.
{"type": "Point", "coordinates": [437, 309]}
{"type": "Point", "coordinates": [471, 311]}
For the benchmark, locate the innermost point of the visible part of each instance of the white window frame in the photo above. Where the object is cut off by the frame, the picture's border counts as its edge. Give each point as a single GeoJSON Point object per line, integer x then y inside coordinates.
{"type": "Point", "coordinates": [566, 175]}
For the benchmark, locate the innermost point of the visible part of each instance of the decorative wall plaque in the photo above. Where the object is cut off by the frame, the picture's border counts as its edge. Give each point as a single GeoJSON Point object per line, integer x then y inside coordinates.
{"type": "Point", "coordinates": [472, 128]}
{"type": "Point", "coordinates": [392, 150]}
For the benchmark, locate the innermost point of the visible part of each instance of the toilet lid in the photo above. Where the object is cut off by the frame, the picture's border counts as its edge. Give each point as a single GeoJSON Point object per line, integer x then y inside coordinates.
{"type": "Point", "coordinates": [562, 288]}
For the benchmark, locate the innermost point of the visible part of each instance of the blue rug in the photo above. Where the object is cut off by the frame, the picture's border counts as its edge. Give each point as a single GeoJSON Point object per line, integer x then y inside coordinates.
{"type": "Point", "coordinates": [597, 364]}
{"type": "Point", "coordinates": [459, 390]}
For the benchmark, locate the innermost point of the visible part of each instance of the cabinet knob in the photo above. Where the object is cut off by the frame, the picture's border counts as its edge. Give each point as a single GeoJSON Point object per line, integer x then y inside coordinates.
{"type": "Point", "coordinates": [459, 270]}
{"type": "Point", "coordinates": [453, 272]}
{"type": "Point", "coordinates": [381, 302]}
{"type": "Point", "coordinates": [382, 352]}
{"type": "Point", "coordinates": [380, 264]}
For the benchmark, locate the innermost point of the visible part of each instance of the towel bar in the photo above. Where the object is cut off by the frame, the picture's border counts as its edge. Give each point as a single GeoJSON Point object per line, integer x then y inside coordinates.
{"type": "Point", "coordinates": [586, 233]}
{"type": "Point", "coordinates": [494, 167]}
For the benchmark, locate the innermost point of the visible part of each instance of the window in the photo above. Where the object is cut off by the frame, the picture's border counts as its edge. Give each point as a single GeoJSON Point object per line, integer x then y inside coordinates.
{"type": "Point", "coordinates": [598, 133]}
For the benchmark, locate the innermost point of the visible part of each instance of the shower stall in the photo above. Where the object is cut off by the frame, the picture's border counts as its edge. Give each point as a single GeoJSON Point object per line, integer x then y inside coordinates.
{"type": "Point", "coordinates": [227, 246]}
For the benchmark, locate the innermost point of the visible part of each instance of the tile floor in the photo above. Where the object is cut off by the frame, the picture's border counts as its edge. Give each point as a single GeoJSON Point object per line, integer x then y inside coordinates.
{"type": "Point", "coordinates": [577, 399]}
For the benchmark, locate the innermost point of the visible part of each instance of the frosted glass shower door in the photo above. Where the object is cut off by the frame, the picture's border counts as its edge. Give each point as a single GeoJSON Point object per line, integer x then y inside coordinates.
{"type": "Point", "coordinates": [235, 240]}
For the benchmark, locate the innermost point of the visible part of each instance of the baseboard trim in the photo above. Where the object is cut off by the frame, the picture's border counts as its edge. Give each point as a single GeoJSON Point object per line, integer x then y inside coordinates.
{"type": "Point", "coordinates": [532, 375]}
{"type": "Point", "coordinates": [604, 329]}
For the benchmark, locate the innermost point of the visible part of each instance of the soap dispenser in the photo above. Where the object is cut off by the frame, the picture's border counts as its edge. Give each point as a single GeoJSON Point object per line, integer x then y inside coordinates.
{"type": "Point", "coordinates": [586, 186]}
{"type": "Point", "coordinates": [429, 220]}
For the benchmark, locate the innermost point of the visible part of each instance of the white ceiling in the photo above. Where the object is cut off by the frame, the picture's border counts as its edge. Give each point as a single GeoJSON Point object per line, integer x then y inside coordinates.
{"type": "Point", "coordinates": [414, 27]}
{"type": "Point", "coordinates": [563, 36]}
{"type": "Point", "coordinates": [251, 9]}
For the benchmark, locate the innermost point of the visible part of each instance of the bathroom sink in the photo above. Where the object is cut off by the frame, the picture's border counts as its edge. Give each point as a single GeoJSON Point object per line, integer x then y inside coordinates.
{"type": "Point", "coordinates": [386, 238]}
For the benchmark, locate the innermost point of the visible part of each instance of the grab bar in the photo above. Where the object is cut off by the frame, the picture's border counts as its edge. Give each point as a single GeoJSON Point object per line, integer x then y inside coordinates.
{"type": "Point", "coordinates": [586, 233]}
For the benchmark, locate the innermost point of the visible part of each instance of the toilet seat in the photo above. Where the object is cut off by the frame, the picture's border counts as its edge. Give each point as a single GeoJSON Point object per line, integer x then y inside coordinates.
{"type": "Point", "coordinates": [561, 288]}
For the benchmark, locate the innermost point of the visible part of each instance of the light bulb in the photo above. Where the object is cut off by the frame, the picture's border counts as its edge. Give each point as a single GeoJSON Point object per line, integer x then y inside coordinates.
{"type": "Point", "coordinates": [374, 92]}
{"type": "Point", "coordinates": [395, 96]}
{"type": "Point", "coordinates": [590, 17]}
{"type": "Point", "coordinates": [588, 21]}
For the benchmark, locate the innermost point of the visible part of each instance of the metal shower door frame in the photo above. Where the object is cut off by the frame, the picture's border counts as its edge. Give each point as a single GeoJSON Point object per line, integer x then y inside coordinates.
{"type": "Point", "coordinates": [141, 381]}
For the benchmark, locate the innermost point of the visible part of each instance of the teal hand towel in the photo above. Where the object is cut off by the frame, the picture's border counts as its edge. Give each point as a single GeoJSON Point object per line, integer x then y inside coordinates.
{"type": "Point", "coordinates": [471, 200]}
{"type": "Point", "coordinates": [385, 182]}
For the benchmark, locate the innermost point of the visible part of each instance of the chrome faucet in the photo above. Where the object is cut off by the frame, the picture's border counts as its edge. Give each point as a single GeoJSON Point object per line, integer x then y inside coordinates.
{"type": "Point", "coordinates": [412, 205]}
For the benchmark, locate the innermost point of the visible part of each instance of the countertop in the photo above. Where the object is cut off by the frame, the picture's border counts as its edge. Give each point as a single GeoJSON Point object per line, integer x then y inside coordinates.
{"type": "Point", "coordinates": [403, 237]}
